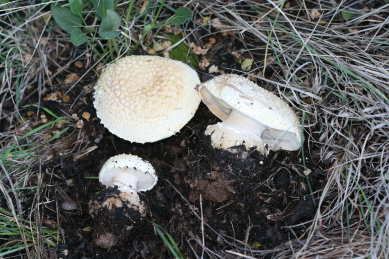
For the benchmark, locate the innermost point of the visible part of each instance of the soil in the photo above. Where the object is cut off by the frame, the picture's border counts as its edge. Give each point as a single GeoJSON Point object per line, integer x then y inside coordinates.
{"type": "Point", "coordinates": [224, 200]}
{"type": "Point", "coordinates": [257, 197]}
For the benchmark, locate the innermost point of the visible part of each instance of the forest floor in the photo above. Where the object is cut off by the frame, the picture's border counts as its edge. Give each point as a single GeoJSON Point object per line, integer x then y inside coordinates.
{"type": "Point", "coordinates": [329, 199]}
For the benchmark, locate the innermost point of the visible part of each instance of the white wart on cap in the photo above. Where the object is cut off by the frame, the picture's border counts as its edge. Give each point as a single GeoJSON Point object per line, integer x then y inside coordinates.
{"type": "Point", "coordinates": [251, 116]}
{"type": "Point", "coordinates": [131, 175]}
{"type": "Point", "coordinates": [146, 98]}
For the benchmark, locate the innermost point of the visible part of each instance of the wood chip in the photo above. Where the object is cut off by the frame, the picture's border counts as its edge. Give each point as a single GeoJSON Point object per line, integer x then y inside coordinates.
{"type": "Point", "coordinates": [66, 98]}
{"type": "Point", "coordinates": [43, 118]}
{"type": "Point", "coordinates": [315, 13]}
{"type": "Point", "coordinates": [78, 64]}
{"type": "Point", "coordinates": [197, 49]}
{"type": "Point", "coordinates": [86, 115]}
{"type": "Point", "coordinates": [80, 124]}
{"type": "Point", "coordinates": [213, 69]}
{"type": "Point", "coordinates": [71, 78]}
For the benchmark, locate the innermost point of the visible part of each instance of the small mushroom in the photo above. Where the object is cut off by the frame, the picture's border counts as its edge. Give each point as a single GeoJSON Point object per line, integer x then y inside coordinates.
{"type": "Point", "coordinates": [130, 174]}
{"type": "Point", "coordinates": [118, 209]}
{"type": "Point", "coordinates": [146, 98]}
{"type": "Point", "coordinates": [251, 116]}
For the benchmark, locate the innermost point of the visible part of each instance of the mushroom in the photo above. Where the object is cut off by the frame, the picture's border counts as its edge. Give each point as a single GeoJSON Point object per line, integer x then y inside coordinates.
{"type": "Point", "coordinates": [130, 174]}
{"type": "Point", "coordinates": [146, 98]}
{"type": "Point", "coordinates": [251, 116]}
{"type": "Point", "coordinates": [116, 209]}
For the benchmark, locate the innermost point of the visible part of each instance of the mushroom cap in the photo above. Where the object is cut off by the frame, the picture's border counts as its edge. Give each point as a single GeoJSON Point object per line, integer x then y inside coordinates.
{"type": "Point", "coordinates": [236, 92]}
{"type": "Point", "coordinates": [146, 98]}
{"type": "Point", "coordinates": [140, 173]}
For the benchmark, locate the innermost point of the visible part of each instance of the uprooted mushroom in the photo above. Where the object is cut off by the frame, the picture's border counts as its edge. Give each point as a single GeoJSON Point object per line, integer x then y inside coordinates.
{"type": "Point", "coordinates": [251, 116]}
{"type": "Point", "coordinates": [118, 208]}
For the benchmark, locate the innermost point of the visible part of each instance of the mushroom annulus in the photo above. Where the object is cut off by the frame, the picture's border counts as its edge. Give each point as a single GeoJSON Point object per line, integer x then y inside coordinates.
{"type": "Point", "coordinates": [251, 116]}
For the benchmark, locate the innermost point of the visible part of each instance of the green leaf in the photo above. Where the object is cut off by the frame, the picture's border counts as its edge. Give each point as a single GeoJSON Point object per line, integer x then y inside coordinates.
{"type": "Point", "coordinates": [101, 7]}
{"type": "Point", "coordinates": [147, 28]}
{"type": "Point", "coordinates": [65, 18]}
{"type": "Point", "coordinates": [182, 15]}
{"type": "Point", "coordinates": [78, 37]}
{"type": "Point", "coordinates": [76, 6]}
{"type": "Point", "coordinates": [346, 15]}
{"type": "Point", "coordinates": [246, 64]}
{"type": "Point", "coordinates": [169, 241]}
{"type": "Point", "coordinates": [109, 34]}
{"type": "Point", "coordinates": [109, 25]}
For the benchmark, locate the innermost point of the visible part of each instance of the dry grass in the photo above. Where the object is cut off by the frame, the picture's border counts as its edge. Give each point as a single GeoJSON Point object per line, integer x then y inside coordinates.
{"type": "Point", "coordinates": [26, 142]}
{"type": "Point", "coordinates": [334, 72]}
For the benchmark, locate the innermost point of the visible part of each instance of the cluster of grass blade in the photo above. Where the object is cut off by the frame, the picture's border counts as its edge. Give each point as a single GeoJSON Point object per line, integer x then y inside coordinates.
{"type": "Point", "coordinates": [335, 72]}
{"type": "Point", "coordinates": [23, 147]}
{"type": "Point", "coordinates": [11, 226]}
{"type": "Point", "coordinates": [168, 240]}
{"type": "Point", "coordinates": [16, 162]}
{"type": "Point", "coordinates": [24, 61]}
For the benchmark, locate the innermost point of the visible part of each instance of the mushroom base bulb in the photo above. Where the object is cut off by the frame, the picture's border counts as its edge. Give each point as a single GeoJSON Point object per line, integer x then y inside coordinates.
{"type": "Point", "coordinates": [290, 140]}
{"type": "Point", "coordinates": [111, 199]}
{"type": "Point", "coordinates": [237, 129]}
{"type": "Point", "coordinates": [114, 217]}
{"type": "Point", "coordinates": [131, 198]}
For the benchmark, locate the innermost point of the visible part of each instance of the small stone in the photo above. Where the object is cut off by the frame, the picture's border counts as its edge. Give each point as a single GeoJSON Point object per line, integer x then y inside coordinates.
{"type": "Point", "coordinates": [107, 240]}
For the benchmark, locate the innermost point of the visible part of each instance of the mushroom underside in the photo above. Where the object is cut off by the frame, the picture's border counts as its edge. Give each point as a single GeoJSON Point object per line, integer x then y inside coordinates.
{"type": "Point", "coordinates": [217, 106]}
{"type": "Point", "coordinates": [128, 176]}
{"type": "Point", "coordinates": [239, 129]}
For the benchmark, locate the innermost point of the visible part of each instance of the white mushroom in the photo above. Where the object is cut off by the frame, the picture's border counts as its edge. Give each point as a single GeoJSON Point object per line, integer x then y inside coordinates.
{"type": "Point", "coordinates": [251, 116]}
{"type": "Point", "coordinates": [117, 209]}
{"type": "Point", "coordinates": [131, 175]}
{"type": "Point", "coordinates": [146, 98]}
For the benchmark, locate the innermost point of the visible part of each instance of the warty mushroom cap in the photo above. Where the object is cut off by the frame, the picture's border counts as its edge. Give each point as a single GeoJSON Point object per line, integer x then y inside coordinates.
{"type": "Point", "coordinates": [131, 175]}
{"type": "Point", "coordinates": [146, 98]}
{"type": "Point", "coordinates": [251, 115]}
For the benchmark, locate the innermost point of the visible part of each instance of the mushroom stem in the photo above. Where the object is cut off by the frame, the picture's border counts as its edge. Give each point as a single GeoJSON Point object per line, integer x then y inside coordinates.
{"type": "Point", "coordinates": [132, 197]}
{"type": "Point", "coordinates": [237, 129]}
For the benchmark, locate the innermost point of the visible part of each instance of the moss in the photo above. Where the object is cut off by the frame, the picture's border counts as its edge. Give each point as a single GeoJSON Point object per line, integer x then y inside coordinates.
{"type": "Point", "coordinates": [181, 52]}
